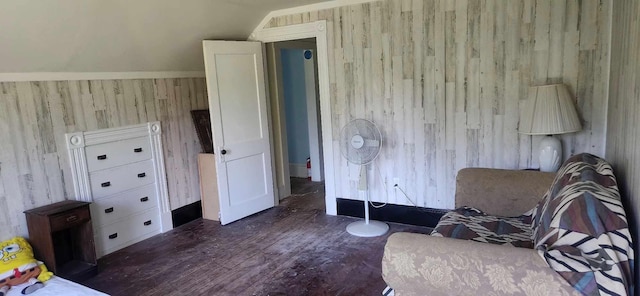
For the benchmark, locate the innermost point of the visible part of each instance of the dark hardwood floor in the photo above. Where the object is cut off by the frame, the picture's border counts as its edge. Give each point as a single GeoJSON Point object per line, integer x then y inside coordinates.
{"type": "Point", "coordinates": [292, 249]}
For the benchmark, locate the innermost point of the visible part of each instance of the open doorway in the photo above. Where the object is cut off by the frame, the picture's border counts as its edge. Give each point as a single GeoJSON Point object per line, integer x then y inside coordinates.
{"type": "Point", "coordinates": [295, 113]}
{"type": "Point", "coordinates": [317, 30]}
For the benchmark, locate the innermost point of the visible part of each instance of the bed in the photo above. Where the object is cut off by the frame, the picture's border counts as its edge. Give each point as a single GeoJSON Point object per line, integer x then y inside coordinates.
{"type": "Point", "coordinates": [57, 286]}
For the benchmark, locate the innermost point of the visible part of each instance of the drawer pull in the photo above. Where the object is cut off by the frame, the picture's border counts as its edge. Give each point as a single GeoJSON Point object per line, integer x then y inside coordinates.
{"type": "Point", "coordinates": [72, 218]}
{"type": "Point", "coordinates": [109, 210]}
{"type": "Point", "coordinates": [102, 157]}
{"type": "Point", "coordinates": [142, 175]}
{"type": "Point", "coordinates": [113, 236]}
{"type": "Point", "coordinates": [106, 184]}
{"type": "Point", "coordinates": [137, 150]}
{"type": "Point", "coordinates": [147, 223]}
{"type": "Point", "coordinates": [144, 199]}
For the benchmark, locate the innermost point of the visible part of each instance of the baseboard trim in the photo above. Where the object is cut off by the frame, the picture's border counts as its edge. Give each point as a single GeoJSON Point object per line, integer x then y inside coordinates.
{"type": "Point", "coordinates": [391, 213]}
{"type": "Point", "coordinates": [186, 214]}
{"type": "Point", "coordinates": [298, 170]}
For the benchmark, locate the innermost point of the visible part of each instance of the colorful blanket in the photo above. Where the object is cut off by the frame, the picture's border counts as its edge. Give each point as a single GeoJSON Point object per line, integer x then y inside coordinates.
{"type": "Point", "coordinates": [580, 228]}
{"type": "Point", "coordinates": [472, 224]}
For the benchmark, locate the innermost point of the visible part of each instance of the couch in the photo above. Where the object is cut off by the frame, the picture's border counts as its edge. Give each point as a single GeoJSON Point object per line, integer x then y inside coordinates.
{"type": "Point", "coordinates": [521, 233]}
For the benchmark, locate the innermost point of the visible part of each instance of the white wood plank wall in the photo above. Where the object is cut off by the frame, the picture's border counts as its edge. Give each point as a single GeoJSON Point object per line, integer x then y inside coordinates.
{"type": "Point", "coordinates": [444, 80]}
{"type": "Point", "coordinates": [34, 116]}
{"type": "Point", "coordinates": [623, 132]}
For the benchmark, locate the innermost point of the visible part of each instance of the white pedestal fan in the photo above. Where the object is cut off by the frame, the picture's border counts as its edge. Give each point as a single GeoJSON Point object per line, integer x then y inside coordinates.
{"type": "Point", "coordinates": [360, 142]}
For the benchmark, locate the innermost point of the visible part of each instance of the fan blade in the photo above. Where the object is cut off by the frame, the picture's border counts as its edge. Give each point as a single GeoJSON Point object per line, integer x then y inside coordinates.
{"type": "Point", "coordinates": [371, 143]}
{"type": "Point", "coordinates": [360, 141]}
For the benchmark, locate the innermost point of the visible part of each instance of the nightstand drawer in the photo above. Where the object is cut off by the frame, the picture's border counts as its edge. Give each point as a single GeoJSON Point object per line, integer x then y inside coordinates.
{"type": "Point", "coordinates": [115, 180]}
{"type": "Point", "coordinates": [69, 218]}
{"type": "Point", "coordinates": [112, 208]}
{"type": "Point", "coordinates": [117, 153]}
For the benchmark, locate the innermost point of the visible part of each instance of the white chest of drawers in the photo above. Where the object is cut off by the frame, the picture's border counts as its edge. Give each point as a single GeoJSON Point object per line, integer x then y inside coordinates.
{"type": "Point", "coordinates": [121, 171]}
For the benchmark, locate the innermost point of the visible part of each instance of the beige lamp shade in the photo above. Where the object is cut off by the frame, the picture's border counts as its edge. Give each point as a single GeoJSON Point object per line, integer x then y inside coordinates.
{"type": "Point", "coordinates": [549, 110]}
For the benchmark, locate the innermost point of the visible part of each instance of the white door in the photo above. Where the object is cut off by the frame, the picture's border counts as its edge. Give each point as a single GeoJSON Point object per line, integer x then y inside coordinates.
{"type": "Point", "coordinates": [238, 107]}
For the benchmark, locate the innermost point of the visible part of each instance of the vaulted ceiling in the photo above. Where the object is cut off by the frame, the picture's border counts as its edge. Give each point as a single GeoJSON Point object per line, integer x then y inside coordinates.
{"type": "Point", "coordinates": [122, 35]}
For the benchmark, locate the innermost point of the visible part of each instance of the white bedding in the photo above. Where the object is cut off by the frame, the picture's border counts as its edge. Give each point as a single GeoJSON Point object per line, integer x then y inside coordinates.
{"type": "Point", "coordinates": [58, 286]}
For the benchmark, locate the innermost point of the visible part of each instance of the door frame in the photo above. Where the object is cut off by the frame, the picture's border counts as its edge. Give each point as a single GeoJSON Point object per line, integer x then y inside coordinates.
{"type": "Point", "coordinates": [317, 30]}
{"type": "Point", "coordinates": [279, 118]}
{"type": "Point", "coordinates": [313, 114]}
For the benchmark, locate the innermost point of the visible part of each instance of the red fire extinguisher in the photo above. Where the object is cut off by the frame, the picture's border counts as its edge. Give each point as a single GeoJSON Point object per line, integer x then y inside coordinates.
{"type": "Point", "coordinates": [309, 168]}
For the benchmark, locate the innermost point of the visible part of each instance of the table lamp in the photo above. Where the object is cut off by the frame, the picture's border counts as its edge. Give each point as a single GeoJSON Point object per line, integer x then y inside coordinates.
{"type": "Point", "coordinates": [549, 111]}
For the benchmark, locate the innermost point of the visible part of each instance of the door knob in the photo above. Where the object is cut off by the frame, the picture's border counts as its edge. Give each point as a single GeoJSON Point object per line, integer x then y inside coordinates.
{"type": "Point", "coordinates": [223, 151]}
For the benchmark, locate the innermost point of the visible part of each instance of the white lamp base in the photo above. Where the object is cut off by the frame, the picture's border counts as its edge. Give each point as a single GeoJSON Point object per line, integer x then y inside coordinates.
{"type": "Point", "coordinates": [550, 154]}
{"type": "Point", "coordinates": [372, 229]}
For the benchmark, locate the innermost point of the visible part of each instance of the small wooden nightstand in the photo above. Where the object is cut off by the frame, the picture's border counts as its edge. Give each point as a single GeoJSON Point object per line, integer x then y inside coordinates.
{"type": "Point", "coordinates": [62, 237]}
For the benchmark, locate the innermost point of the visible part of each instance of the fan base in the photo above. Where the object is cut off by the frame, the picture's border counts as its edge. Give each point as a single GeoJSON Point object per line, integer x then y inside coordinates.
{"type": "Point", "coordinates": [362, 229]}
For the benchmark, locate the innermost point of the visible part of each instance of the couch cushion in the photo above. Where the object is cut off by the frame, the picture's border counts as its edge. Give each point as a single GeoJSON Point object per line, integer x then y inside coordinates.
{"type": "Point", "coordinates": [472, 224]}
{"type": "Point", "coordinates": [581, 229]}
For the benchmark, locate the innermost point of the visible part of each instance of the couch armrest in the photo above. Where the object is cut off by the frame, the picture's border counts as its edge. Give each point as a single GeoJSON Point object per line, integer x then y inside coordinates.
{"type": "Point", "coordinates": [418, 264]}
{"type": "Point", "coordinates": [501, 192]}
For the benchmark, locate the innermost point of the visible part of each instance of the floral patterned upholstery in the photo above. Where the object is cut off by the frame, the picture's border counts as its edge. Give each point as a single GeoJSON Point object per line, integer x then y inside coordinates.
{"type": "Point", "coordinates": [417, 264]}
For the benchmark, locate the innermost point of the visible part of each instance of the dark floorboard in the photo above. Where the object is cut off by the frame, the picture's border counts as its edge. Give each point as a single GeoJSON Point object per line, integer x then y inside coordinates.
{"type": "Point", "coordinates": [292, 249]}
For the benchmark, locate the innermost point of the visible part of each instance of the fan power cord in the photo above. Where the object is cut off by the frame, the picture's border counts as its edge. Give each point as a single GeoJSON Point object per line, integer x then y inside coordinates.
{"type": "Point", "coordinates": [372, 204]}
{"type": "Point", "coordinates": [384, 185]}
{"type": "Point", "coordinates": [377, 206]}
{"type": "Point", "coordinates": [405, 194]}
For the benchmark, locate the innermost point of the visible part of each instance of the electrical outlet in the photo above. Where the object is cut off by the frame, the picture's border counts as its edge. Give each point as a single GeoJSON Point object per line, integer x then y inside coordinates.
{"type": "Point", "coordinates": [396, 181]}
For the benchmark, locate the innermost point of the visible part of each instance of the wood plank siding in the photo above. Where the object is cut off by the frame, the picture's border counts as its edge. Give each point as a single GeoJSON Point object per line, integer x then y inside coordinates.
{"type": "Point", "coordinates": [623, 133]}
{"type": "Point", "coordinates": [444, 80]}
{"type": "Point", "coordinates": [34, 116]}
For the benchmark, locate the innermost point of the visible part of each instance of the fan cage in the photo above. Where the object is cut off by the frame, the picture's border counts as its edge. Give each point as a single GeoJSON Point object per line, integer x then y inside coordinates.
{"type": "Point", "coordinates": [363, 133]}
